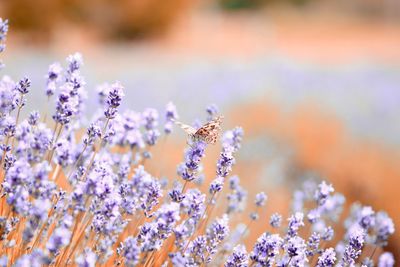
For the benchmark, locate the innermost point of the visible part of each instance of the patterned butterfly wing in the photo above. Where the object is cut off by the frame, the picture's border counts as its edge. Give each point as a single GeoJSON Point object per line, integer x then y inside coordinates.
{"type": "Point", "coordinates": [209, 132]}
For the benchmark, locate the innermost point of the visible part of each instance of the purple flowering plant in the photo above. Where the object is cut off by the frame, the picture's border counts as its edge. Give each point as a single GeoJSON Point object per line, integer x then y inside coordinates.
{"type": "Point", "coordinates": [90, 201]}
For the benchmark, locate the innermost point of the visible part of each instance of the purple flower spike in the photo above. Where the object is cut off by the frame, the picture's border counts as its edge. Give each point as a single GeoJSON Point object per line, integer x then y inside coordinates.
{"type": "Point", "coordinates": [239, 257]}
{"type": "Point", "coordinates": [266, 249]}
{"type": "Point", "coordinates": [386, 260]}
{"type": "Point", "coordinates": [327, 258]}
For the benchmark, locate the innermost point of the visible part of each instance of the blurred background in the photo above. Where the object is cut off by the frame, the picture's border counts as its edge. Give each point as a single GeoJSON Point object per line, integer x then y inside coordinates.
{"type": "Point", "coordinates": [314, 84]}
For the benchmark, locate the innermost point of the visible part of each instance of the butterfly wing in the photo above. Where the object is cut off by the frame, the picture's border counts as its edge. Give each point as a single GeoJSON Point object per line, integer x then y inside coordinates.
{"type": "Point", "coordinates": [209, 132]}
{"type": "Point", "coordinates": [187, 128]}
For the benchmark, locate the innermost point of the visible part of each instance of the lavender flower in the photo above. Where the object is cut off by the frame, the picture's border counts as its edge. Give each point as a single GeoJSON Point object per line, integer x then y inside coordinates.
{"type": "Point", "coordinates": [212, 111]}
{"type": "Point", "coordinates": [384, 227]}
{"type": "Point", "coordinates": [151, 137]}
{"type": "Point", "coordinates": [193, 203]}
{"type": "Point", "coordinates": [66, 105]}
{"type": "Point", "coordinates": [58, 239]}
{"type": "Point", "coordinates": [170, 115]}
{"type": "Point", "coordinates": [193, 156]}
{"type": "Point", "coordinates": [260, 199]}
{"type": "Point", "coordinates": [313, 244]}
{"type": "Point", "coordinates": [275, 220]}
{"type": "Point", "coordinates": [198, 250]}
{"type": "Point", "coordinates": [7, 95]}
{"type": "Point", "coordinates": [151, 196]}
{"type": "Point", "coordinates": [109, 196]}
{"type": "Point", "coordinates": [166, 217]}
{"type": "Point", "coordinates": [216, 185]}
{"type": "Point", "coordinates": [323, 192]}
{"type": "Point", "coordinates": [332, 207]}
{"type": "Point", "coordinates": [233, 138]}
{"type": "Point", "coordinates": [296, 250]}
{"type": "Point", "coordinates": [3, 259]}
{"type": "Point", "coordinates": [176, 195]}
{"type": "Point", "coordinates": [23, 86]}
{"type": "Point", "coordinates": [204, 246]}
{"type": "Point", "coordinates": [53, 74]}
{"type": "Point", "coordinates": [353, 249]}
{"type": "Point", "coordinates": [3, 34]}
{"type": "Point", "coordinates": [87, 259]}
{"type": "Point", "coordinates": [234, 182]}
{"type": "Point", "coordinates": [327, 258]}
{"type": "Point", "coordinates": [35, 259]}
{"type": "Point", "coordinates": [33, 118]}
{"type": "Point", "coordinates": [150, 117]}
{"type": "Point", "coordinates": [131, 251]}
{"type": "Point", "coordinates": [3, 29]}
{"type": "Point", "coordinates": [386, 260]}
{"type": "Point", "coordinates": [225, 162]}
{"type": "Point", "coordinates": [236, 200]}
{"type": "Point", "coordinates": [266, 249]}
{"type": "Point", "coordinates": [367, 218]}
{"type": "Point", "coordinates": [295, 222]}
{"type": "Point", "coordinates": [75, 61]}
{"type": "Point", "coordinates": [314, 215]}
{"type": "Point", "coordinates": [8, 127]}
{"type": "Point", "coordinates": [218, 230]}
{"type": "Point", "coordinates": [239, 257]}
{"type": "Point", "coordinates": [328, 233]}
{"type": "Point", "coordinates": [114, 100]}
{"type": "Point", "coordinates": [92, 133]}
{"type": "Point", "coordinates": [367, 262]}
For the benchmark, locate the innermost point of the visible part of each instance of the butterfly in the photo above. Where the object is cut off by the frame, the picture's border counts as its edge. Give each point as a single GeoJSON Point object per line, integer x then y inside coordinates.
{"type": "Point", "coordinates": [208, 133]}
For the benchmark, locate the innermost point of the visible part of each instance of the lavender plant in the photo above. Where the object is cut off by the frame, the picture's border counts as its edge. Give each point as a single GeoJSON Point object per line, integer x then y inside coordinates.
{"type": "Point", "coordinates": [68, 199]}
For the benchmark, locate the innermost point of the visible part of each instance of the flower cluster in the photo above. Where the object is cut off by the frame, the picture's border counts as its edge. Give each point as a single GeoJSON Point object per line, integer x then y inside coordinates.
{"type": "Point", "coordinates": [3, 35]}
{"type": "Point", "coordinates": [90, 200]}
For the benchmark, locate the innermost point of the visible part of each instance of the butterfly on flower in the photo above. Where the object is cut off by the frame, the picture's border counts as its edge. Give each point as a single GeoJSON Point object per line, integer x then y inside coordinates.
{"type": "Point", "coordinates": [208, 133]}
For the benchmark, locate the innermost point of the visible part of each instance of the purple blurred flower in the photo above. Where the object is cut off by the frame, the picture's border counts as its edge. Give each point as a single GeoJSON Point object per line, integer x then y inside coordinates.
{"type": "Point", "coordinates": [386, 260]}
{"type": "Point", "coordinates": [233, 138]}
{"type": "Point", "coordinates": [3, 34]}
{"type": "Point", "coordinates": [212, 111]}
{"type": "Point", "coordinates": [384, 227]}
{"type": "Point", "coordinates": [170, 115]}
{"type": "Point", "coordinates": [260, 199]}
{"type": "Point", "coordinates": [366, 218]}
{"type": "Point", "coordinates": [3, 29]}
{"type": "Point", "coordinates": [60, 238]}
{"type": "Point", "coordinates": [7, 95]}
{"type": "Point", "coordinates": [150, 118]}
{"type": "Point", "coordinates": [275, 220]}
{"type": "Point", "coordinates": [87, 259]}
{"type": "Point", "coordinates": [328, 233]}
{"type": "Point", "coordinates": [131, 251]}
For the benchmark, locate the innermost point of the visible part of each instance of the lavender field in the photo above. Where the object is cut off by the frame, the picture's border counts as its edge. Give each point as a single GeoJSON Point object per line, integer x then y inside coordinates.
{"type": "Point", "coordinates": [242, 150]}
